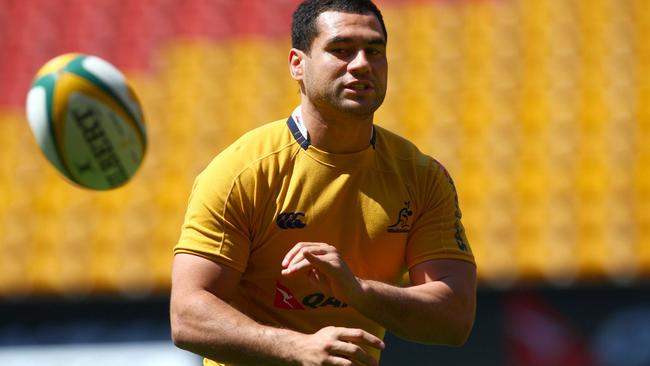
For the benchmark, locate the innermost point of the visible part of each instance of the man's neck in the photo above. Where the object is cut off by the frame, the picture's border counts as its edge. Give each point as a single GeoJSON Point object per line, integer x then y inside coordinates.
{"type": "Point", "coordinates": [338, 135]}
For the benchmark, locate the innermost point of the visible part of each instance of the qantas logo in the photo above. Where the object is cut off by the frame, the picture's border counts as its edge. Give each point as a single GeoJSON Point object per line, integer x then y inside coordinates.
{"type": "Point", "coordinates": [284, 299]}
{"type": "Point", "coordinates": [291, 220]}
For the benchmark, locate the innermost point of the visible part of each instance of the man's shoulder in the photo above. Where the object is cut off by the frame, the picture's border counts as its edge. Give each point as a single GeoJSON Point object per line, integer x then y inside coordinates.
{"type": "Point", "coordinates": [393, 146]}
{"type": "Point", "coordinates": [260, 141]}
{"type": "Point", "coordinates": [403, 157]}
{"type": "Point", "coordinates": [267, 135]}
{"type": "Point", "coordinates": [269, 142]}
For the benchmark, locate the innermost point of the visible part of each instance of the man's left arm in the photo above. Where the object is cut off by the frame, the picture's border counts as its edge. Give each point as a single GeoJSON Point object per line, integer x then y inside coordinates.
{"type": "Point", "coordinates": [437, 308]}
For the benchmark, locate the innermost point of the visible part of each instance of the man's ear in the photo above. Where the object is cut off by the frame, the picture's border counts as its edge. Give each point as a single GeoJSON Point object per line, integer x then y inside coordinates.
{"type": "Point", "coordinates": [296, 58]}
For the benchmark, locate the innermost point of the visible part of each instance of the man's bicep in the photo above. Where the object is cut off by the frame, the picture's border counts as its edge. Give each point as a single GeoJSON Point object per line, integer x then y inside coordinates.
{"type": "Point", "coordinates": [458, 275]}
{"type": "Point", "coordinates": [192, 273]}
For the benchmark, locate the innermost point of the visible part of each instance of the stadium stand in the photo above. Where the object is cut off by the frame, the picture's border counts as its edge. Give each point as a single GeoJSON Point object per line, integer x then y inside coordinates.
{"type": "Point", "coordinates": [540, 109]}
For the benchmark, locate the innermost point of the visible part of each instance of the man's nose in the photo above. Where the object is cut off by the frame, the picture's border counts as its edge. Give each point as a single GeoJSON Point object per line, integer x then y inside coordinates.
{"type": "Point", "coordinates": [359, 62]}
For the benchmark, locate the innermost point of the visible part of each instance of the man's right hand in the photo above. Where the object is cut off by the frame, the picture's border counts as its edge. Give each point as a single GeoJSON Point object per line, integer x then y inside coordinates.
{"type": "Point", "coordinates": [338, 346]}
{"type": "Point", "coordinates": [203, 323]}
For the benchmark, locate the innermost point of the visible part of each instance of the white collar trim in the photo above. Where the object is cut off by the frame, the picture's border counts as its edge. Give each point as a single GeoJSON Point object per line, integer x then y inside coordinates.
{"type": "Point", "coordinates": [297, 118]}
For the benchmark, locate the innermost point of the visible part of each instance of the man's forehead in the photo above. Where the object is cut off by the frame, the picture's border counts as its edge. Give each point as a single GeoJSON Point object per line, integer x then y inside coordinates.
{"type": "Point", "coordinates": [338, 26]}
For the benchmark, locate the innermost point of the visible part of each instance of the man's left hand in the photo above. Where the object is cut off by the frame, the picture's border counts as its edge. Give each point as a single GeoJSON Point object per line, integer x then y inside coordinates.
{"type": "Point", "coordinates": [325, 267]}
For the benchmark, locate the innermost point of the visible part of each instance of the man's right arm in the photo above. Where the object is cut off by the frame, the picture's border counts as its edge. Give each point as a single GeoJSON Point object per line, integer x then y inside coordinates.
{"type": "Point", "coordinates": [203, 322]}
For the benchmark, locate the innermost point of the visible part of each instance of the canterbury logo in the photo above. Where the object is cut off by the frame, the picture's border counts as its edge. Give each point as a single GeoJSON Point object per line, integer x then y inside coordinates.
{"type": "Point", "coordinates": [290, 220]}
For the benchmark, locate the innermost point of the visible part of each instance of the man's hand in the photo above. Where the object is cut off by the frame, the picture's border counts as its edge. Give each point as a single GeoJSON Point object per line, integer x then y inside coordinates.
{"type": "Point", "coordinates": [442, 293]}
{"type": "Point", "coordinates": [338, 346]}
{"type": "Point", "coordinates": [326, 268]}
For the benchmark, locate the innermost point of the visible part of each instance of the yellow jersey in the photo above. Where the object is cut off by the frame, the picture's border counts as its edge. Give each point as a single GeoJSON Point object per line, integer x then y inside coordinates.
{"type": "Point", "coordinates": [386, 209]}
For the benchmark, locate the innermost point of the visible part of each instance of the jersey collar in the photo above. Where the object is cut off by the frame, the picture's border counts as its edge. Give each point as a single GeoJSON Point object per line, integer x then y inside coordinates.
{"type": "Point", "coordinates": [300, 133]}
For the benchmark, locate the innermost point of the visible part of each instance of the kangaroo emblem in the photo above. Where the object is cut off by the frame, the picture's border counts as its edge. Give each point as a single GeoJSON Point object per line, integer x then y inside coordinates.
{"type": "Point", "coordinates": [402, 225]}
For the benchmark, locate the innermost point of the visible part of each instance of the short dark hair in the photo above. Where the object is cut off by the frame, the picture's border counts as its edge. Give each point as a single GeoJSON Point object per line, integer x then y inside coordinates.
{"type": "Point", "coordinates": [303, 26]}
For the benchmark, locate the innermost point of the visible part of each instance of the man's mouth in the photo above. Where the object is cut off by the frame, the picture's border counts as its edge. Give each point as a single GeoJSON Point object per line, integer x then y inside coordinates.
{"type": "Point", "coordinates": [359, 86]}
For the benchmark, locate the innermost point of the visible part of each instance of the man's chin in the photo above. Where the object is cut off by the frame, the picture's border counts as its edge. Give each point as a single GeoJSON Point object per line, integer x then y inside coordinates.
{"type": "Point", "coordinates": [360, 108]}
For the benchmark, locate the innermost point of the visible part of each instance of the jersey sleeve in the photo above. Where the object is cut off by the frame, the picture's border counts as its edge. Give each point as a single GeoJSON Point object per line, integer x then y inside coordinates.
{"type": "Point", "coordinates": [438, 232]}
{"type": "Point", "coordinates": [216, 224]}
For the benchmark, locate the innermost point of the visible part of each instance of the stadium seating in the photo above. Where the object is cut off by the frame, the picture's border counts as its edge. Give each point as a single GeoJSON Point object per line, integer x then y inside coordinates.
{"type": "Point", "coordinates": [539, 109]}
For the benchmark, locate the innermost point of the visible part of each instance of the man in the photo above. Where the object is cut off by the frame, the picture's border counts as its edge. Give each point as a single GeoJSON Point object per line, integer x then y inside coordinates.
{"type": "Point", "coordinates": [298, 235]}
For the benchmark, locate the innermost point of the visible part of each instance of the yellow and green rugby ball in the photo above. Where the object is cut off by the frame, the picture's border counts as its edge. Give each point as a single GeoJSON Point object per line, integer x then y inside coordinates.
{"type": "Point", "coordinates": [87, 120]}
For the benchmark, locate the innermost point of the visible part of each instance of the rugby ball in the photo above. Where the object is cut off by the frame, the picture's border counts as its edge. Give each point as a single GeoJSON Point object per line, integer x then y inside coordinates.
{"type": "Point", "coordinates": [87, 121]}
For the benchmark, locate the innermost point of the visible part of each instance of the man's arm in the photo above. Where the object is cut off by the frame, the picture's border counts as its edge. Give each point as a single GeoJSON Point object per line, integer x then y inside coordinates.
{"type": "Point", "coordinates": [204, 323]}
{"type": "Point", "coordinates": [438, 308]}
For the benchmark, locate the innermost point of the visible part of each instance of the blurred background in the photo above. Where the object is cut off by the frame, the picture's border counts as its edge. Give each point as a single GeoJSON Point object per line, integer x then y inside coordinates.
{"type": "Point", "coordinates": [540, 109]}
